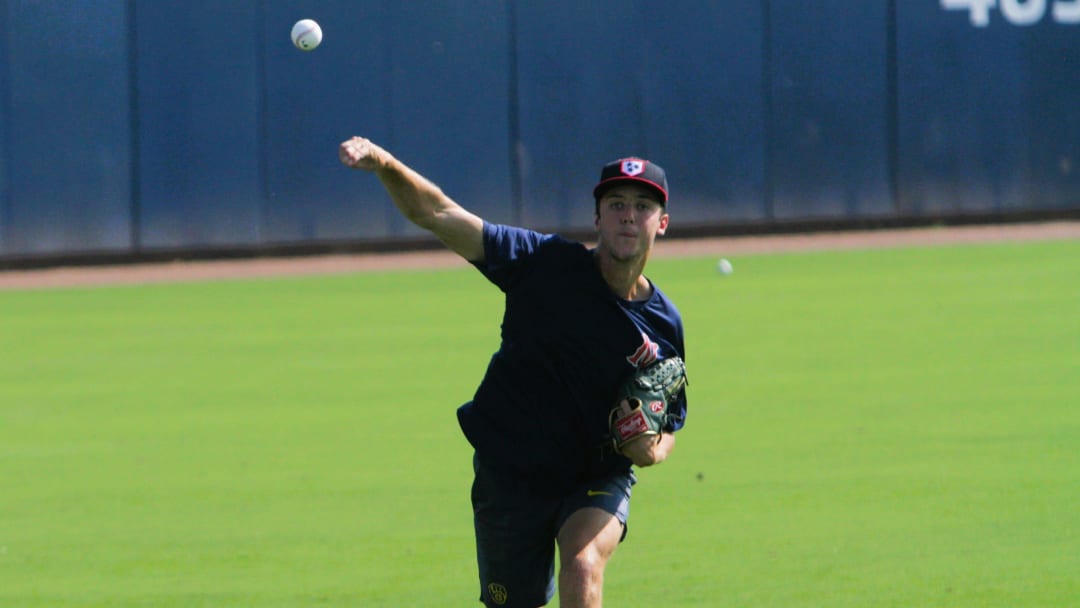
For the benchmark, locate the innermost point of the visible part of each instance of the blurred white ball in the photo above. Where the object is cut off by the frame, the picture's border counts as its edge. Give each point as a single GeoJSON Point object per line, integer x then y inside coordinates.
{"type": "Point", "coordinates": [724, 267]}
{"type": "Point", "coordinates": [306, 34]}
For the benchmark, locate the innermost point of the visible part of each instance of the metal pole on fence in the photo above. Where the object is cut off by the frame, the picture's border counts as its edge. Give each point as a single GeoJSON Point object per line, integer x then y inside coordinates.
{"type": "Point", "coordinates": [135, 196]}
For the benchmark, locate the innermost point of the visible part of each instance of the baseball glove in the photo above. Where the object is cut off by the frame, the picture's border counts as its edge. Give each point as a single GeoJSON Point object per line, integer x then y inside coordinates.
{"type": "Point", "coordinates": [642, 407]}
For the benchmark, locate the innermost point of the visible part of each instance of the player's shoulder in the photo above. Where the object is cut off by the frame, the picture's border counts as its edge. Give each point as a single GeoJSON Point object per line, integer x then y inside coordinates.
{"type": "Point", "coordinates": [526, 241]}
{"type": "Point", "coordinates": [661, 299]}
{"type": "Point", "coordinates": [663, 306]}
{"type": "Point", "coordinates": [513, 255]}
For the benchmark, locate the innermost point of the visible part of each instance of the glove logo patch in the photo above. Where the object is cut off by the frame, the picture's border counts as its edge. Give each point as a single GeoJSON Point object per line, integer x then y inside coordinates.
{"type": "Point", "coordinates": [657, 406]}
{"type": "Point", "coordinates": [632, 425]}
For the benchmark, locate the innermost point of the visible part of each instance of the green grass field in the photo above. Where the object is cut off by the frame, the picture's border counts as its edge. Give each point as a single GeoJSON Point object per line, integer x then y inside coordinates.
{"type": "Point", "coordinates": [867, 428]}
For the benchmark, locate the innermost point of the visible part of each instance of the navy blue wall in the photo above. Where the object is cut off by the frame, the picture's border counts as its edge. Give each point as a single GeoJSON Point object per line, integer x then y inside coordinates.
{"type": "Point", "coordinates": [988, 117]}
{"type": "Point", "coordinates": [828, 132]}
{"type": "Point", "coordinates": [140, 126]}
{"type": "Point", "coordinates": [602, 80]}
{"type": "Point", "coordinates": [66, 128]}
{"type": "Point", "coordinates": [198, 122]}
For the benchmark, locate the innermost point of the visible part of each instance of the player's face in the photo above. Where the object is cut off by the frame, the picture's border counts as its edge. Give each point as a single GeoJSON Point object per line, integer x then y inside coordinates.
{"type": "Point", "coordinates": [628, 219]}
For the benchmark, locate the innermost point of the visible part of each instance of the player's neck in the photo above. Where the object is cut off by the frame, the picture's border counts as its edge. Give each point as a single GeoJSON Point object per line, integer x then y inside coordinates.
{"type": "Point", "coordinates": [624, 277]}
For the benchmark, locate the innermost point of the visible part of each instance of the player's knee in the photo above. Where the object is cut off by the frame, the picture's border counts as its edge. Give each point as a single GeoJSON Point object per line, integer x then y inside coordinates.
{"type": "Point", "coordinates": [587, 565]}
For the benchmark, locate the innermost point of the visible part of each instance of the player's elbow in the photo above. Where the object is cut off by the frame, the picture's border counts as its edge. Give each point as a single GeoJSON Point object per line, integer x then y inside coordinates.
{"type": "Point", "coordinates": [422, 215]}
{"type": "Point", "coordinates": [433, 215]}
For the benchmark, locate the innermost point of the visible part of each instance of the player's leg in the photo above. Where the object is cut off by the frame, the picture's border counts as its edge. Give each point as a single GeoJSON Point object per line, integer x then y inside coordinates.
{"type": "Point", "coordinates": [586, 542]}
{"type": "Point", "coordinates": [514, 550]}
{"type": "Point", "coordinates": [593, 524]}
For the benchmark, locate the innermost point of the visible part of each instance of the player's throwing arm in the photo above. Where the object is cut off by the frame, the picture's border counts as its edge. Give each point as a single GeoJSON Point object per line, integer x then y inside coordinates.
{"type": "Point", "coordinates": [419, 200]}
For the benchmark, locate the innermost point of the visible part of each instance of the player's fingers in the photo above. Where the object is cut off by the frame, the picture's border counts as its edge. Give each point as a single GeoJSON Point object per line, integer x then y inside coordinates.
{"type": "Point", "coordinates": [355, 152]}
{"type": "Point", "coordinates": [344, 154]}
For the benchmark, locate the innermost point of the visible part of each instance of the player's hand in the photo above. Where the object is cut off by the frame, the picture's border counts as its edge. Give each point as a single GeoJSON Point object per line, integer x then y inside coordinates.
{"type": "Point", "coordinates": [361, 153]}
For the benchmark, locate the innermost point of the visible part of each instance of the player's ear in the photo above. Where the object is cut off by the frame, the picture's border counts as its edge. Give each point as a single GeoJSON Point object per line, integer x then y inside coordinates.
{"type": "Point", "coordinates": [663, 223]}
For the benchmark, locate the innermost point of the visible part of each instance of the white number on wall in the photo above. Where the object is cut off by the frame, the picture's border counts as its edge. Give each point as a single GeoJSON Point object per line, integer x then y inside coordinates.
{"type": "Point", "coordinates": [978, 10]}
{"type": "Point", "coordinates": [1016, 12]}
{"type": "Point", "coordinates": [1067, 11]}
{"type": "Point", "coordinates": [1023, 12]}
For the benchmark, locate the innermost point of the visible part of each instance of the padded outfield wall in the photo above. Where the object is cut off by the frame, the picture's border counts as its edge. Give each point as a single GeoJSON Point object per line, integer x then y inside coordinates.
{"type": "Point", "coordinates": [143, 127]}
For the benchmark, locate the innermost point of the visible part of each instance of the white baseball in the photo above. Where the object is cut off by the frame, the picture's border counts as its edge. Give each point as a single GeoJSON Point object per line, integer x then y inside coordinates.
{"type": "Point", "coordinates": [724, 267]}
{"type": "Point", "coordinates": [306, 34]}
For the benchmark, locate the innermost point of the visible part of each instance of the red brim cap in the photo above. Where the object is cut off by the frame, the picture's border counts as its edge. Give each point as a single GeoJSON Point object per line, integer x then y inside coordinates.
{"type": "Point", "coordinates": [634, 171]}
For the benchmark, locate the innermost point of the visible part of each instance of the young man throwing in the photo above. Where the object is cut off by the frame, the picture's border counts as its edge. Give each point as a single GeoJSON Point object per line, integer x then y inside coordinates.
{"type": "Point", "coordinates": [578, 324]}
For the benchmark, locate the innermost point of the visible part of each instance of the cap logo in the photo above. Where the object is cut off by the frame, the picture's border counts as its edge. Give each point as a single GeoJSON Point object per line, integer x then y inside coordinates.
{"type": "Point", "coordinates": [633, 167]}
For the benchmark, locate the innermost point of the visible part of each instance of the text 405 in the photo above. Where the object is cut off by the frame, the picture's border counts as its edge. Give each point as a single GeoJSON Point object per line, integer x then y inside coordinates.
{"type": "Point", "coordinates": [1017, 12]}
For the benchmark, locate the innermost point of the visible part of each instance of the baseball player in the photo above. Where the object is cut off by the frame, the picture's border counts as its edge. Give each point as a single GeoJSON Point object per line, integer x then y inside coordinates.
{"type": "Point", "coordinates": [564, 410]}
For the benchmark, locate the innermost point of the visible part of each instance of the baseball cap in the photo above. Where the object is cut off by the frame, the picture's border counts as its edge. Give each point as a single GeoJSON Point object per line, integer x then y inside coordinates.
{"type": "Point", "coordinates": [632, 170]}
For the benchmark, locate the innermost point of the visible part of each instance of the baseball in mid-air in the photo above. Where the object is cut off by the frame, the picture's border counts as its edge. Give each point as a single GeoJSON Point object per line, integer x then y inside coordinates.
{"type": "Point", "coordinates": [724, 267]}
{"type": "Point", "coordinates": [306, 34]}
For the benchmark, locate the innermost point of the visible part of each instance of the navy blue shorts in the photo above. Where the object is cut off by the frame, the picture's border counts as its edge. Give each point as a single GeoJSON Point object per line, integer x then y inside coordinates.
{"type": "Point", "coordinates": [516, 532]}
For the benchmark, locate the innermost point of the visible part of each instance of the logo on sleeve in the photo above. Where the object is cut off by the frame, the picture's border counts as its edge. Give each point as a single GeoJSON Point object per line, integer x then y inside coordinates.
{"type": "Point", "coordinates": [645, 354]}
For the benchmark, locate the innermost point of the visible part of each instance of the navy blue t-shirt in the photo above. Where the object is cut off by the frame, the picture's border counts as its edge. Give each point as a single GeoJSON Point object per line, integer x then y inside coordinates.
{"type": "Point", "coordinates": [568, 344]}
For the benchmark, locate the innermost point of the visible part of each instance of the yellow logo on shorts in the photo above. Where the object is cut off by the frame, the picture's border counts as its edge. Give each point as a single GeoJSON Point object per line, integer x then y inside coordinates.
{"type": "Point", "coordinates": [497, 592]}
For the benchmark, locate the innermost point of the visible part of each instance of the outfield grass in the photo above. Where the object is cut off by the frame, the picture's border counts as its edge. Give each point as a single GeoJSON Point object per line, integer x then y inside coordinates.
{"type": "Point", "coordinates": [867, 428]}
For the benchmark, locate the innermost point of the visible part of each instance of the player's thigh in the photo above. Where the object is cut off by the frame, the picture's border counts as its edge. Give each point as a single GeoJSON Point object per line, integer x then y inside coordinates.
{"type": "Point", "coordinates": [594, 517]}
{"type": "Point", "coordinates": [590, 532]}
